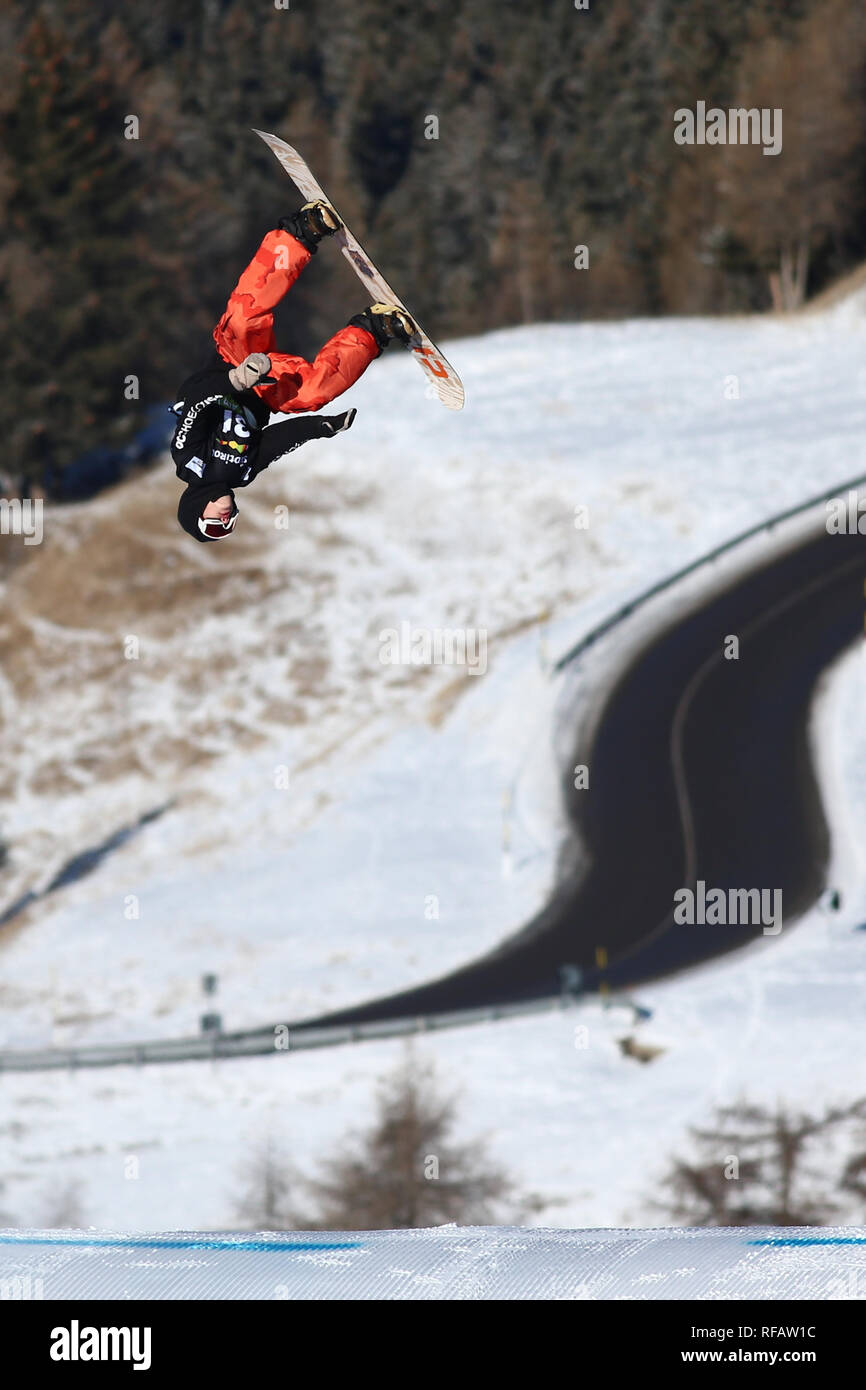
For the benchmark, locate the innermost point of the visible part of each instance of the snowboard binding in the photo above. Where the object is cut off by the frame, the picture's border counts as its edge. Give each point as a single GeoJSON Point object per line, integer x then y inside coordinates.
{"type": "Point", "coordinates": [311, 223]}
{"type": "Point", "coordinates": [387, 322]}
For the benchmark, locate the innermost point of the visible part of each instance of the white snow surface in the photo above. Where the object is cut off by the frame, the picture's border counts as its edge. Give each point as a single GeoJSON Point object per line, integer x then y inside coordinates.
{"type": "Point", "coordinates": [445, 1263]}
{"type": "Point", "coordinates": [676, 435]}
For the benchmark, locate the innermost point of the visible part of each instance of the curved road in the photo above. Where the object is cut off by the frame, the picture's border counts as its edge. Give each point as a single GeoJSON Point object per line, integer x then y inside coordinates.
{"type": "Point", "coordinates": [699, 769]}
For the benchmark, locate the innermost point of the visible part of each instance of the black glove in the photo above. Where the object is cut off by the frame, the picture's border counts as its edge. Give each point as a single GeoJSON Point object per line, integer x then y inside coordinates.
{"type": "Point", "coordinates": [336, 424]}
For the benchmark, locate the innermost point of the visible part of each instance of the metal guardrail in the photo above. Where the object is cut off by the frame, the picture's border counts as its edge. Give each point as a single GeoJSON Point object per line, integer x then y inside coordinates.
{"type": "Point", "coordinates": [288, 1038]}
{"type": "Point", "coordinates": [281, 1037]}
{"type": "Point", "coordinates": [670, 580]}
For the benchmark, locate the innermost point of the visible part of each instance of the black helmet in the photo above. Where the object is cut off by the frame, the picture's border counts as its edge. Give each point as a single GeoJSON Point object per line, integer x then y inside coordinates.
{"type": "Point", "coordinates": [193, 502]}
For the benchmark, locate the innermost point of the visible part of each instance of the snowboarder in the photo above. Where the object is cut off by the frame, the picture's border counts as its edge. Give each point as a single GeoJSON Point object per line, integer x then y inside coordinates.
{"type": "Point", "coordinates": [223, 440]}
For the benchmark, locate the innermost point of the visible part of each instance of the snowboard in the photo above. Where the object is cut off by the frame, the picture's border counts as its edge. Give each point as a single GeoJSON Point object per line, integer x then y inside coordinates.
{"type": "Point", "coordinates": [446, 382]}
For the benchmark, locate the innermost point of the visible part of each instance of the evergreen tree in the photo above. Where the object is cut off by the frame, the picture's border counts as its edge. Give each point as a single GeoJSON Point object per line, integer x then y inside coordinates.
{"type": "Point", "coordinates": [754, 1166]}
{"type": "Point", "coordinates": [264, 1201]}
{"type": "Point", "coordinates": [408, 1171]}
{"type": "Point", "coordinates": [81, 274]}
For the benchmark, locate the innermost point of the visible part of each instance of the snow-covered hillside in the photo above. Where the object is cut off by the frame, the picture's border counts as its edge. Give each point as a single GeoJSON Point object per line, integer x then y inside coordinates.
{"type": "Point", "coordinates": [263, 655]}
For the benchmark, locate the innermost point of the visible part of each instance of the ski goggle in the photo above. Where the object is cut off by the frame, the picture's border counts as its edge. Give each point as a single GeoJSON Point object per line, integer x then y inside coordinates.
{"type": "Point", "coordinates": [214, 529]}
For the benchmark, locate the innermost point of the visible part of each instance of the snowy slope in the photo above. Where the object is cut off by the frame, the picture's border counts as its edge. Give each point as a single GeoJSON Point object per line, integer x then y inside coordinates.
{"type": "Point", "coordinates": [269, 659]}
{"type": "Point", "coordinates": [476, 1263]}
{"type": "Point", "coordinates": [318, 895]}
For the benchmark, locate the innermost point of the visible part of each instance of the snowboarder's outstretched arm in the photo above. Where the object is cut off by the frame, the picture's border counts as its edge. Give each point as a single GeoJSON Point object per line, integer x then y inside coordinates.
{"type": "Point", "coordinates": [288, 435]}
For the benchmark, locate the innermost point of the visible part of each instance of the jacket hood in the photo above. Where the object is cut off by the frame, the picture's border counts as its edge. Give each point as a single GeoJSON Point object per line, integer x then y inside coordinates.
{"type": "Point", "coordinates": [192, 503]}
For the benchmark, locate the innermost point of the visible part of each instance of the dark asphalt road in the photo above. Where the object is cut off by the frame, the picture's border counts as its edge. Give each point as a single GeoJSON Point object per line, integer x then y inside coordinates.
{"type": "Point", "coordinates": [699, 769]}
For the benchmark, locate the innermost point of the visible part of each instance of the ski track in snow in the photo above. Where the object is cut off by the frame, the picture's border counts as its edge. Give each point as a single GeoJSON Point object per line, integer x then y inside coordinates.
{"type": "Point", "coordinates": [317, 896]}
